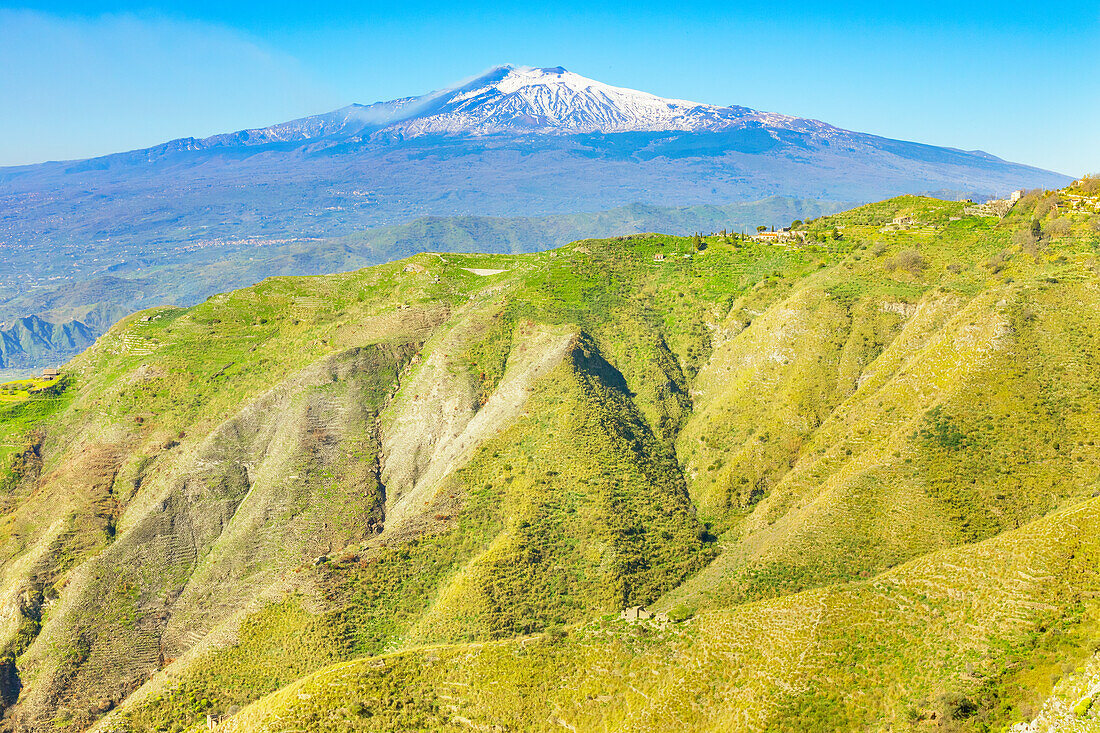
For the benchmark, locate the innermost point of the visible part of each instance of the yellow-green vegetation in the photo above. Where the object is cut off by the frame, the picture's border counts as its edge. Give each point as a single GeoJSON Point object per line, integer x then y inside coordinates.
{"type": "Point", "coordinates": [22, 389]}
{"type": "Point", "coordinates": [24, 405]}
{"type": "Point", "coordinates": [859, 474]}
{"type": "Point", "coordinates": [959, 637]}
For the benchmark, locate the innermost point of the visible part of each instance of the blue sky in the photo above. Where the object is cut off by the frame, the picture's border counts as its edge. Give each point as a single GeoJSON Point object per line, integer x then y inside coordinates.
{"type": "Point", "coordinates": [1019, 80]}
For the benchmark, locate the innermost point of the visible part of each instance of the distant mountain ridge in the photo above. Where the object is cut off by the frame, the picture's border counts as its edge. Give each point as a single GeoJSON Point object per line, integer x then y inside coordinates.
{"type": "Point", "coordinates": [31, 342]}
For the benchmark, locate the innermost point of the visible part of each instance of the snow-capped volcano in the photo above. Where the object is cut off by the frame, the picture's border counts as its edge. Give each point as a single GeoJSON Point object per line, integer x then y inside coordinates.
{"type": "Point", "coordinates": [508, 142]}
{"type": "Point", "coordinates": [509, 99]}
{"type": "Point", "coordinates": [524, 100]}
{"type": "Point", "coordinates": [518, 100]}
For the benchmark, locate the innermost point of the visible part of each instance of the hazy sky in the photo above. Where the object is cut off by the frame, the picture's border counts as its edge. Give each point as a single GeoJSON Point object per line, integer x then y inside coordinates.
{"type": "Point", "coordinates": [1019, 80]}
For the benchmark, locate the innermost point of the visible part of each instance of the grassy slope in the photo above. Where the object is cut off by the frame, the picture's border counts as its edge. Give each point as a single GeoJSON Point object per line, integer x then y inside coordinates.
{"type": "Point", "coordinates": [855, 435]}
{"type": "Point", "coordinates": [961, 634]}
{"type": "Point", "coordinates": [528, 550]}
{"type": "Point", "coordinates": [950, 404]}
{"type": "Point", "coordinates": [819, 399]}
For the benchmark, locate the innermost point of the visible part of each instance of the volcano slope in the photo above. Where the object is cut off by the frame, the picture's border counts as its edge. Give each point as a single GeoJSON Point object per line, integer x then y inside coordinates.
{"type": "Point", "coordinates": [860, 475]}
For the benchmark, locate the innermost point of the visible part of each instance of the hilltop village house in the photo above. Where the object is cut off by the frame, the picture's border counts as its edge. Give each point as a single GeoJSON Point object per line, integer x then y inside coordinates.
{"type": "Point", "coordinates": [900, 223]}
{"type": "Point", "coordinates": [51, 373]}
{"type": "Point", "coordinates": [994, 207]}
{"type": "Point", "coordinates": [782, 236]}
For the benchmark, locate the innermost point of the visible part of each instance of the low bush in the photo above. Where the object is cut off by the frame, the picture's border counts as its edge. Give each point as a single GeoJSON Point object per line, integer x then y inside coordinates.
{"type": "Point", "coordinates": [909, 260]}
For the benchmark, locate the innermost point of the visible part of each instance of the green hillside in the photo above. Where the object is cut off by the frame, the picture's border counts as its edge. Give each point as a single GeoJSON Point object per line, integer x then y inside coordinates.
{"type": "Point", "coordinates": [857, 474]}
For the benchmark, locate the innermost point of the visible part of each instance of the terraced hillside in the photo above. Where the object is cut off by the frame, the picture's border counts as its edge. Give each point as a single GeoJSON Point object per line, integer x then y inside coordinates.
{"type": "Point", "coordinates": [857, 474]}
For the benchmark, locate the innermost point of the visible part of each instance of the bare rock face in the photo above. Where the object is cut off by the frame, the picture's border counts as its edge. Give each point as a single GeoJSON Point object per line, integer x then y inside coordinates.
{"type": "Point", "coordinates": [439, 428]}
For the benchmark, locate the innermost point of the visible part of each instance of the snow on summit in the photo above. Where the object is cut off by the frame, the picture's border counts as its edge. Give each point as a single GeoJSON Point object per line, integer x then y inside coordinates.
{"type": "Point", "coordinates": [524, 99]}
